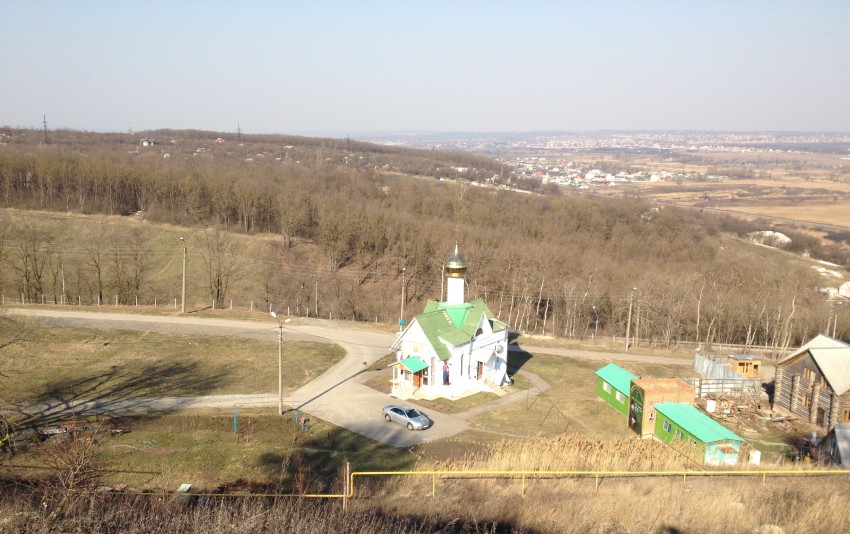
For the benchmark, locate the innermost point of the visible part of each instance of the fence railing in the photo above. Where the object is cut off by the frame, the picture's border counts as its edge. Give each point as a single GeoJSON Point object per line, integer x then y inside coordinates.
{"type": "Point", "coordinates": [309, 311]}
{"type": "Point", "coordinates": [526, 477]}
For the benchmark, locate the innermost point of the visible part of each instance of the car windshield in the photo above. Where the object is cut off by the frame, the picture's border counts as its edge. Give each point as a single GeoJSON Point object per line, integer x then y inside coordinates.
{"type": "Point", "coordinates": [412, 413]}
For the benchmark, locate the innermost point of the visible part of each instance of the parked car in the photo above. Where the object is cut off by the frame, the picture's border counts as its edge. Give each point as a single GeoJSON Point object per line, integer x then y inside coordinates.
{"type": "Point", "coordinates": [410, 417]}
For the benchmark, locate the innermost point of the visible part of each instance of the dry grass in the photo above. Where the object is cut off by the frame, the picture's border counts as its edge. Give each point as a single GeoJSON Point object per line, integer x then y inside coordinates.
{"type": "Point", "coordinates": [571, 452]}
{"type": "Point", "coordinates": [199, 447]}
{"type": "Point", "coordinates": [791, 197]}
{"type": "Point", "coordinates": [635, 504]}
{"type": "Point", "coordinates": [719, 503]}
{"type": "Point", "coordinates": [87, 364]}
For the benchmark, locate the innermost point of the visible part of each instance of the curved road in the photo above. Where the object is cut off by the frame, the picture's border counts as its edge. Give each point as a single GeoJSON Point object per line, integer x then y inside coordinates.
{"type": "Point", "coordinates": [337, 396]}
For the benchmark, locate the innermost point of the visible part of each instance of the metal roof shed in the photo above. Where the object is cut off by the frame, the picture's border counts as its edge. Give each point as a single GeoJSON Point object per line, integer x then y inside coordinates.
{"type": "Point", "coordinates": [685, 427]}
{"type": "Point", "coordinates": [613, 386]}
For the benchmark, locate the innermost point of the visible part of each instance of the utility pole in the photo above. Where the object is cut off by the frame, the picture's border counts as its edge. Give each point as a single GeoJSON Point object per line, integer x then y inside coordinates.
{"type": "Point", "coordinates": [44, 122]}
{"type": "Point", "coordinates": [279, 363]}
{"type": "Point", "coordinates": [62, 268]}
{"type": "Point", "coordinates": [183, 294]}
{"type": "Point", "coordinates": [280, 369]}
{"type": "Point", "coordinates": [239, 133]}
{"type": "Point", "coordinates": [629, 321]}
{"type": "Point", "coordinates": [317, 299]}
{"type": "Point", "coordinates": [595, 323]}
{"type": "Point", "coordinates": [401, 317]}
{"type": "Point", "coordinates": [442, 282]}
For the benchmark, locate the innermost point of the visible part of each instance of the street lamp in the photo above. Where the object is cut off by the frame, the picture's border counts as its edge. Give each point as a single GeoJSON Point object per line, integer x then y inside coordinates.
{"type": "Point", "coordinates": [279, 364]}
{"type": "Point", "coordinates": [183, 294]}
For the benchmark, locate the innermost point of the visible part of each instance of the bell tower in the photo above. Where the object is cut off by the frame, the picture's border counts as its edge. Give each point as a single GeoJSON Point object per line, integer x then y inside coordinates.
{"type": "Point", "coordinates": [456, 267]}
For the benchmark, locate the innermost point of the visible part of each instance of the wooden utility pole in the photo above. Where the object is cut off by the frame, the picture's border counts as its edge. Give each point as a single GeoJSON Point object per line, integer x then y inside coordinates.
{"type": "Point", "coordinates": [629, 321]}
{"type": "Point", "coordinates": [44, 122]}
{"type": "Point", "coordinates": [403, 282]}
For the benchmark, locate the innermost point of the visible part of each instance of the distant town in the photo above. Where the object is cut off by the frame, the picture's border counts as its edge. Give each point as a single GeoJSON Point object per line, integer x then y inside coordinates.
{"type": "Point", "coordinates": [651, 141]}
{"type": "Point", "coordinates": [549, 157]}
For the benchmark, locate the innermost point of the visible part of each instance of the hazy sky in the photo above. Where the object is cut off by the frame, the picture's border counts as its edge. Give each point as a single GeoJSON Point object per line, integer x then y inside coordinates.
{"type": "Point", "coordinates": [325, 67]}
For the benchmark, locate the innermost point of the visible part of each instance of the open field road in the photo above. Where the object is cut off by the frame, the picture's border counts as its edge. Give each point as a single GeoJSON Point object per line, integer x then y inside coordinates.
{"type": "Point", "coordinates": [337, 396]}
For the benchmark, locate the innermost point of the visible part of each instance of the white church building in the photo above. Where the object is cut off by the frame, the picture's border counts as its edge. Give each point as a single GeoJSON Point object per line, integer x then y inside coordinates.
{"type": "Point", "coordinates": [453, 348]}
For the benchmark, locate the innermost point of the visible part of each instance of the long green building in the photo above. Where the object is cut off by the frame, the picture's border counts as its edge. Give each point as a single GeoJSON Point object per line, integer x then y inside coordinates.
{"type": "Point", "coordinates": [689, 430]}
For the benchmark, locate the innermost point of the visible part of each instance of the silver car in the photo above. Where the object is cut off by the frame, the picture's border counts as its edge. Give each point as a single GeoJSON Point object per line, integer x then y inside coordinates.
{"type": "Point", "coordinates": [411, 417]}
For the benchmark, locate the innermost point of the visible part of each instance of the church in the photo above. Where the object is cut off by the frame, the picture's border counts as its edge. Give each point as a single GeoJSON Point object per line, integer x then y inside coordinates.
{"type": "Point", "coordinates": [453, 348]}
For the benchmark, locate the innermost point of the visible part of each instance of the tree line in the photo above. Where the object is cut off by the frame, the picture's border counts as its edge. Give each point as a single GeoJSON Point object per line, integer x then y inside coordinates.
{"type": "Point", "coordinates": [333, 223]}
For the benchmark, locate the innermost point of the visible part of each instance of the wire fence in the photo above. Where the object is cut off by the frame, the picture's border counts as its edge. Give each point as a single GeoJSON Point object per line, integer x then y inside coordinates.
{"type": "Point", "coordinates": [525, 478]}
{"type": "Point", "coordinates": [311, 311]}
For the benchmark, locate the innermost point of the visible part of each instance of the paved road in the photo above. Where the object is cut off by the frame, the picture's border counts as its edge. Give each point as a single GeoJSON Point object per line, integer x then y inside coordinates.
{"type": "Point", "coordinates": [337, 396]}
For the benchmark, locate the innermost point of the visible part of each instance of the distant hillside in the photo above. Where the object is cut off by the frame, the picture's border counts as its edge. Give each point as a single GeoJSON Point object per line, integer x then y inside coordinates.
{"type": "Point", "coordinates": [301, 218]}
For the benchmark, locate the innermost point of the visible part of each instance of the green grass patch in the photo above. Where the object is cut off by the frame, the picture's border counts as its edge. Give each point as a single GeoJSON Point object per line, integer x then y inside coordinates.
{"type": "Point", "coordinates": [200, 448]}
{"type": "Point", "coordinates": [570, 405]}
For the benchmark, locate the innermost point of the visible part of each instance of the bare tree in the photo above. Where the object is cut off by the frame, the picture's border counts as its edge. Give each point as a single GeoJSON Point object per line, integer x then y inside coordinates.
{"type": "Point", "coordinates": [31, 261]}
{"type": "Point", "coordinates": [76, 465]}
{"type": "Point", "coordinates": [222, 262]}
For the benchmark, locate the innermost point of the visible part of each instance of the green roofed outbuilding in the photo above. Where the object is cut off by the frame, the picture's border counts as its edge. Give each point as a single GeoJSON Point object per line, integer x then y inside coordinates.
{"type": "Point", "coordinates": [694, 433]}
{"type": "Point", "coordinates": [613, 386]}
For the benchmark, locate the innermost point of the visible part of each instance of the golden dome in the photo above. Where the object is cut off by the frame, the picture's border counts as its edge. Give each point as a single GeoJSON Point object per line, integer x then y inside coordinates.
{"type": "Point", "coordinates": [456, 265]}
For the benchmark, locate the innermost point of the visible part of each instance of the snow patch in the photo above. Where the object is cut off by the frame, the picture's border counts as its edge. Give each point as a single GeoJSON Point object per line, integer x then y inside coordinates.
{"type": "Point", "coordinates": [769, 238]}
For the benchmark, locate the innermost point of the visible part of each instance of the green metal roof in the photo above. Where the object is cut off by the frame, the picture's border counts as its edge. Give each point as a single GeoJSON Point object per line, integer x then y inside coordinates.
{"type": "Point", "coordinates": [454, 323]}
{"type": "Point", "coordinates": [458, 313]}
{"type": "Point", "coordinates": [435, 325]}
{"type": "Point", "coordinates": [619, 378]}
{"type": "Point", "coordinates": [696, 423]}
{"type": "Point", "coordinates": [430, 306]}
{"type": "Point", "coordinates": [412, 364]}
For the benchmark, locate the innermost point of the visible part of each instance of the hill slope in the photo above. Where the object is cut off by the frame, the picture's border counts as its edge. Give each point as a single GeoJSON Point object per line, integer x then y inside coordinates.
{"type": "Point", "coordinates": [328, 226]}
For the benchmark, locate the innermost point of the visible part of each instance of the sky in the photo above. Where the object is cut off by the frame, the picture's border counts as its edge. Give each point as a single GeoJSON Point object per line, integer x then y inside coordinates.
{"type": "Point", "coordinates": [341, 67]}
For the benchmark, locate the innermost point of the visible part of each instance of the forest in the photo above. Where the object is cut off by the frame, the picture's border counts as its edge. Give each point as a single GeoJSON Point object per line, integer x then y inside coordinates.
{"type": "Point", "coordinates": [334, 227]}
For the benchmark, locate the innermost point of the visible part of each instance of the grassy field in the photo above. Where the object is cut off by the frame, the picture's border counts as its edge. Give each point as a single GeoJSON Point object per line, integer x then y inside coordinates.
{"type": "Point", "coordinates": [638, 504]}
{"type": "Point", "coordinates": [160, 452]}
{"type": "Point", "coordinates": [566, 428]}
{"type": "Point", "coordinates": [200, 447]}
{"type": "Point", "coordinates": [570, 405]}
{"type": "Point", "coordinates": [49, 364]}
{"type": "Point", "coordinates": [804, 187]}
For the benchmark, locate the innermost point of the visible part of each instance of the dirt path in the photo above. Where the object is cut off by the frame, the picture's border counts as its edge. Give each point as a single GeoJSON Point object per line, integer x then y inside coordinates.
{"type": "Point", "coordinates": [337, 396]}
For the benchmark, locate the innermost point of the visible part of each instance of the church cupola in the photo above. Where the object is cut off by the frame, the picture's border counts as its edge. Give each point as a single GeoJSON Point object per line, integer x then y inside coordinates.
{"type": "Point", "coordinates": [456, 267]}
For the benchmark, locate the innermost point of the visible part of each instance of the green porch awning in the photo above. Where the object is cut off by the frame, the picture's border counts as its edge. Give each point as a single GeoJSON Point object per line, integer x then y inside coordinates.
{"type": "Point", "coordinates": [412, 364]}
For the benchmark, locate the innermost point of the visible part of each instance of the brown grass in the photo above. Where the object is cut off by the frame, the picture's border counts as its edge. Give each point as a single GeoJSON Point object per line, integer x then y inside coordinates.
{"type": "Point", "coordinates": [720, 503]}
{"type": "Point", "coordinates": [632, 504]}
{"type": "Point", "coordinates": [88, 364]}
